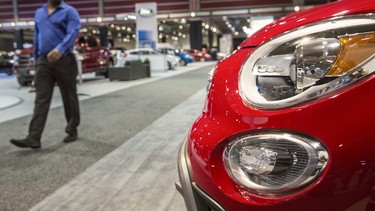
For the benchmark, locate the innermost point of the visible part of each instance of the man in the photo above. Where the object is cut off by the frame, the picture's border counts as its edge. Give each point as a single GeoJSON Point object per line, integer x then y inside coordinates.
{"type": "Point", "coordinates": [56, 28]}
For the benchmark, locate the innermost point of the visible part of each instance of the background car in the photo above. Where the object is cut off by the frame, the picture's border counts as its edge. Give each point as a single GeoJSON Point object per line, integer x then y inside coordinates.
{"type": "Point", "coordinates": [201, 56]}
{"type": "Point", "coordinates": [287, 122]}
{"type": "Point", "coordinates": [6, 62]}
{"type": "Point", "coordinates": [157, 59]}
{"type": "Point", "coordinates": [185, 58]}
{"type": "Point", "coordinates": [117, 54]}
{"type": "Point", "coordinates": [93, 57]}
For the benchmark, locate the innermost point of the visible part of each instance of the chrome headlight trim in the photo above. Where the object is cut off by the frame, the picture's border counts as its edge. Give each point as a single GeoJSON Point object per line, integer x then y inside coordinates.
{"type": "Point", "coordinates": [310, 159]}
{"type": "Point", "coordinates": [247, 82]}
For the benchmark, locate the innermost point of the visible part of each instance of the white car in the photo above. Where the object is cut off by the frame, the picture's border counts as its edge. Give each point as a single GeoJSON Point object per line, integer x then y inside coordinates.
{"type": "Point", "coordinates": [157, 60]}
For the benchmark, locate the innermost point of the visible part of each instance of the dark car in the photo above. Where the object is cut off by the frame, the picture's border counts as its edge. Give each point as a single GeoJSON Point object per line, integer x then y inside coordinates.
{"type": "Point", "coordinates": [93, 57]}
{"type": "Point", "coordinates": [6, 62]}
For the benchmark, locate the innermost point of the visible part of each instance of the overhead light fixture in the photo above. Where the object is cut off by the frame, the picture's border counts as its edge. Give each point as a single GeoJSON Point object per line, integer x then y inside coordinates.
{"type": "Point", "coordinates": [296, 8]}
{"type": "Point", "coordinates": [99, 19]}
{"type": "Point", "coordinates": [192, 14]}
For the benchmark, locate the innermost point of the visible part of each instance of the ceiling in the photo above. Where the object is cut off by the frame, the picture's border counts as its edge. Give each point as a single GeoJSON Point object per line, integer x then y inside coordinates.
{"type": "Point", "coordinates": [222, 16]}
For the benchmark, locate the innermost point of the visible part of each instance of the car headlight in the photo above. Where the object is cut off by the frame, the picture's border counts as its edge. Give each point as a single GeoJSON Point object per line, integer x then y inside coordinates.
{"type": "Point", "coordinates": [274, 163]}
{"type": "Point", "coordinates": [309, 62]}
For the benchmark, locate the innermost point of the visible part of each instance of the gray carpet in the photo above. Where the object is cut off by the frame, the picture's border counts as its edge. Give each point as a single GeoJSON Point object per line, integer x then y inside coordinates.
{"type": "Point", "coordinates": [28, 176]}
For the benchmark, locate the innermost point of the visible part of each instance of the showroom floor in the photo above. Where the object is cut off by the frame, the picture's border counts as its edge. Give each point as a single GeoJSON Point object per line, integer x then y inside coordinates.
{"type": "Point", "coordinates": [125, 158]}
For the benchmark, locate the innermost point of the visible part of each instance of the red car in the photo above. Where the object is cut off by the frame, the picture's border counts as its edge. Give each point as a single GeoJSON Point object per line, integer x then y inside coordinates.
{"type": "Point", "coordinates": [94, 59]}
{"type": "Point", "coordinates": [201, 56]}
{"type": "Point", "coordinates": [288, 119]}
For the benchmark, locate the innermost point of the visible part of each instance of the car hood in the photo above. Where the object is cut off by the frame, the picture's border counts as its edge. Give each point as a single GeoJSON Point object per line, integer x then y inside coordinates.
{"type": "Point", "coordinates": [294, 20]}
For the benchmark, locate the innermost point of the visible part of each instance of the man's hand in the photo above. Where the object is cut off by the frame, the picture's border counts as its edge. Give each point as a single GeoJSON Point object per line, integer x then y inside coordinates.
{"type": "Point", "coordinates": [54, 55]}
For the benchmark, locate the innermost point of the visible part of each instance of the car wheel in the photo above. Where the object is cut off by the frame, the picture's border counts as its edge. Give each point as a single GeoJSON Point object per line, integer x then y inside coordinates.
{"type": "Point", "coordinates": [109, 65]}
{"type": "Point", "coordinates": [202, 59]}
{"type": "Point", "coordinates": [23, 81]}
{"type": "Point", "coordinates": [182, 63]}
{"type": "Point", "coordinates": [169, 66]}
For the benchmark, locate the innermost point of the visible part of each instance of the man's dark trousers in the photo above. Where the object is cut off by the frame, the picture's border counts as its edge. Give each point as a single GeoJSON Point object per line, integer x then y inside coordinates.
{"type": "Point", "coordinates": [64, 73]}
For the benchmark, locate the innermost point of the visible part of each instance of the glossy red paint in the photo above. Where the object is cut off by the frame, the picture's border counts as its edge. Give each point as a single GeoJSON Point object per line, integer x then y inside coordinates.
{"type": "Point", "coordinates": [295, 20]}
{"type": "Point", "coordinates": [94, 56]}
{"type": "Point", "coordinates": [199, 55]}
{"type": "Point", "coordinates": [342, 122]}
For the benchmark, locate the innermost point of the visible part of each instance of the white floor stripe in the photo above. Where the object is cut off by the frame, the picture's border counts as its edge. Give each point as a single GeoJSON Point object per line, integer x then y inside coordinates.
{"type": "Point", "coordinates": [139, 175]}
{"type": "Point", "coordinates": [10, 87]}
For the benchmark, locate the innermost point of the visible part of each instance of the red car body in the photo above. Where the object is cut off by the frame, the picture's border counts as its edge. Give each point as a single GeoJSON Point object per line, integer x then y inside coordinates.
{"type": "Point", "coordinates": [201, 56]}
{"type": "Point", "coordinates": [93, 57]}
{"type": "Point", "coordinates": [339, 121]}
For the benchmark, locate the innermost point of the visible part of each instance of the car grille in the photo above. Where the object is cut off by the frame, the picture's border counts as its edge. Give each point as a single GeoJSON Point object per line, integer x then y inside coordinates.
{"type": "Point", "coordinates": [205, 202]}
{"type": "Point", "coordinates": [25, 62]}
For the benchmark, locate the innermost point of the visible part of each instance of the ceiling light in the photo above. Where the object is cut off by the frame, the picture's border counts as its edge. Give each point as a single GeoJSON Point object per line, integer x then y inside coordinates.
{"type": "Point", "coordinates": [192, 14]}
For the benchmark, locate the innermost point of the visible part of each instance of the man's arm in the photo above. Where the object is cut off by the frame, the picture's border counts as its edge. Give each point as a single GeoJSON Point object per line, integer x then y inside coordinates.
{"type": "Point", "coordinates": [72, 29]}
{"type": "Point", "coordinates": [36, 31]}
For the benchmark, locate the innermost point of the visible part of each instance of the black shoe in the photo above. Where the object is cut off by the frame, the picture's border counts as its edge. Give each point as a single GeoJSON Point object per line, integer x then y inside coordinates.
{"type": "Point", "coordinates": [26, 143]}
{"type": "Point", "coordinates": [70, 138]}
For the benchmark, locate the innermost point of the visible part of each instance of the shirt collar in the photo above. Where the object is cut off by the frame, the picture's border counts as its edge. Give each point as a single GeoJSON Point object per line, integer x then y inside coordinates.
{"type": "Point", "coordinates": [62, 6]}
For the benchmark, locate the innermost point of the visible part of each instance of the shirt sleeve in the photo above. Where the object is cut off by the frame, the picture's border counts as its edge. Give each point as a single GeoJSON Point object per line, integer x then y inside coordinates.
{"type": "Point", "coordinates": [35, 42]}
{"type": "Point", "coordinates": [72, 30]}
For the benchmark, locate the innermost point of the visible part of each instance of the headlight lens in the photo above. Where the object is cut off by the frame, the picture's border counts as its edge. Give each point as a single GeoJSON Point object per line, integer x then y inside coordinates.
{"type": "Point", "coordinates": [274, 164]}
{"type": "Point", "coordinates": [309, 62]}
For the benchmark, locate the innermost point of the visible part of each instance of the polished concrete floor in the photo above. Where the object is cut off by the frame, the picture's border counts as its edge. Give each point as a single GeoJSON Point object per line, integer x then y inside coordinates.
{"type": "Point", "coordinates": [125, 158]}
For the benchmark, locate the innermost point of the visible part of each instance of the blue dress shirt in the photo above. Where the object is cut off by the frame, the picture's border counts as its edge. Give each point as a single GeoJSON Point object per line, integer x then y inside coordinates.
{"type": "Point", "coordinates": [56, 30]}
